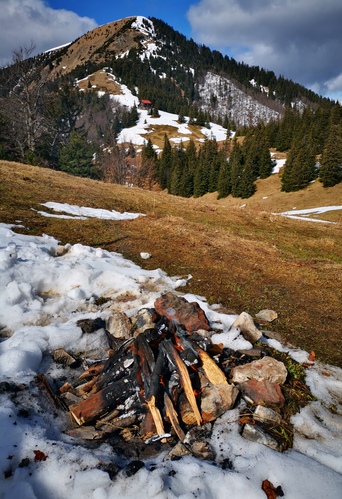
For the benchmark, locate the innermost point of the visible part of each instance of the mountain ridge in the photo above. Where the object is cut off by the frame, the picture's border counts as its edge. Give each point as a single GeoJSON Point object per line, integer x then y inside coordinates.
{"type": "Point", "coordinates": [247, 95]}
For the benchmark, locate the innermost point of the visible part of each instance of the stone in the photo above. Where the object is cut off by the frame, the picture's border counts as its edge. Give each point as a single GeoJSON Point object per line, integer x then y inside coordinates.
{"type": "Point", "coordinates": [260, 369]}
{"type": "Point", "coordinates": [62, 357]}
{"type": "Point", "coordinates": [145, 319]}
{"type": "Point", "coordinates": [256, 434]}
{"type": "Point", "coordinates": [119, 325]}
{"type": "Point", "coordinates": [217, 399]}
{"type": "Point", "coordinates": [262, 392]}
{"type": "Point", "coordinates": [247, 327]}
{"type": "Point", "coordinates": [180, 311]}
{"type": "Point", "coordinates": [267, 315]}
{"type": "Point", "coordinates": [89, 326]}
{"type": "Point", "coordinates": [266, 415]}
{"type": "Point", "coordinates": [145, 256]}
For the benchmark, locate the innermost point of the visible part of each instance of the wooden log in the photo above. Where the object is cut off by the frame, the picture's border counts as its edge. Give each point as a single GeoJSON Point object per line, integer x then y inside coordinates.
{"type": "Point", "coordinates": [185, 410]}
{"type": "Point", "coordinates": [147, 426]}
{"type": "Point", "coordinates": [114, 367]}
{"type": "Point", "coordinates": [92, 371]}
{"type": "Point", "coordinates": [173, 417]}
{"type": "Point", "coordinates": [211, 370]}
{"type": "Point", "coordinates": [85, 388]}
{"type": "Point", "coordinates": [151, 403]}
{"type": "Point", "coordinates": [184, 378]}
{"type": "Point", "coordinates": [103, 401]}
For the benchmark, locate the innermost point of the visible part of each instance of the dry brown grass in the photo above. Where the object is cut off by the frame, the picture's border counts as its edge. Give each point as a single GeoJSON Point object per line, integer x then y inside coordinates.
{"type": "Point", "coordinates": [87, 47]}
{"type": "Point", "coordinates": [102, 81]}
{"type": "Point", "coordinates": [244, 258]}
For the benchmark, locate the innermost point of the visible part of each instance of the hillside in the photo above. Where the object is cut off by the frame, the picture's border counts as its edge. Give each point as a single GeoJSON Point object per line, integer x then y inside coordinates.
{"type": "Point", "coordinates": [159, 63]}
{"type": "Point", "coordinates": [245, 258]}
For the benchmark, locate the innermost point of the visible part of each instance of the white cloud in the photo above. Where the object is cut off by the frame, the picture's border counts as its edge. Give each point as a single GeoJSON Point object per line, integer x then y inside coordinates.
{"type": "Point", "coordinates": [26, 21]}
{"type": "Point", "coordinates": [300, 39]}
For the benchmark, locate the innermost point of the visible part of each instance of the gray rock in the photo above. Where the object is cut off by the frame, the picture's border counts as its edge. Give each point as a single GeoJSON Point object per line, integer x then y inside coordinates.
{"type": "Point", "coordinates": [256, 434]}
{"type": "Point", "coordinates": [247, 327]}
{"type": "Point", "coordinates": [267, 315]}
{"type": "Point", "coordinates": [119, 325]}
{"type": "Point", "coordinates": [266, 415]}
{"type": "Point", "coordinates": [265, 368]}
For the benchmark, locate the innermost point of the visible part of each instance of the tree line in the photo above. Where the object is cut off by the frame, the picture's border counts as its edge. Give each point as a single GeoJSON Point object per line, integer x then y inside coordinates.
{"type": "Point", "coordinates": [53, 124]}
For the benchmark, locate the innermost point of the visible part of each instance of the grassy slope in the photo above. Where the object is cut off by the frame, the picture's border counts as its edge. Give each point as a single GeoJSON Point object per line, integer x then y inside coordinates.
{"type": "Point", "coordinates": [246, 258]}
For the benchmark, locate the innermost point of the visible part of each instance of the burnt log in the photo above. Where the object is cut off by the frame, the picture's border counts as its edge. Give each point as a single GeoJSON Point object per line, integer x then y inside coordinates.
{"type": "Point", "coordinates": [103, 401]}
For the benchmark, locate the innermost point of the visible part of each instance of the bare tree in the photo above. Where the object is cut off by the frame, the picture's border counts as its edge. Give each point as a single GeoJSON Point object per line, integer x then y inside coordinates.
{"type": "Point", "coordinates": [113, 164]}
{"type": "Point", "coordinates": [22, 92]}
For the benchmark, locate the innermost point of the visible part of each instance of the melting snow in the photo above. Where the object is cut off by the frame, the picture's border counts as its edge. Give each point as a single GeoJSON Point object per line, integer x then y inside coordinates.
{"type": "Point", "coordinates": [42, 297]}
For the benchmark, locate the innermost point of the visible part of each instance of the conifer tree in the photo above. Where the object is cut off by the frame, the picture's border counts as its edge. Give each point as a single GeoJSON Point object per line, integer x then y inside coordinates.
{"type": "Point", "coordinates": [330, 172]}
{"type": "Point", "coordinates": [247, 187]}
{"type": "Point", "coordinates": [201, 177]}
{"type": "Point", "coordinates": [300, 167]}
{"type": "Point", "coordinates": [77, 157]}
{"type": "Point", "coordinates": [265, 160]}
{"type": "Point", "coordinates": [178, 165]}
{"type": "Point", "coordinates": [224, 185]}
{"type": "Point", "coordinates": [236, 167]}
{"type": "Point", "coordinates": [148, 170]}
{"type": "Point", "coordinates": [187, 181]}
{"type": "Point", "coordinates": [165, 164]}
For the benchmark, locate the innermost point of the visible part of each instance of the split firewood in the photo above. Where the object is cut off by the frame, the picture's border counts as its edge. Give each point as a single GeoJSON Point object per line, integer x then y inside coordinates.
{"type": "Point", "coordinates": [116, 366]}
{"type": "Point", "coordinates": [82, 390]}
{"type": "Point", "coordinates": [147, 426]}
{"type": "Point", "coordinates": [103, 401]}
{"type": "Point", "coordinates": [151, 402]}
{"type": "Point", "coordinates": [211, 369]}
{"type": "Point", "coordinates": [184, 378]}
{"type": "Point", "coordinates": [185, 410]}
{"type": "Point", "coordinates": [92, 371]}
{"type": "Point", "coordinates": [173, 417]}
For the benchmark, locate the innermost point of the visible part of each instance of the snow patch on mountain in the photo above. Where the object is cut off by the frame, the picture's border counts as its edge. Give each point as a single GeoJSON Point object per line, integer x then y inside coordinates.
{"type": "Point", "coordinates": [220, 96]}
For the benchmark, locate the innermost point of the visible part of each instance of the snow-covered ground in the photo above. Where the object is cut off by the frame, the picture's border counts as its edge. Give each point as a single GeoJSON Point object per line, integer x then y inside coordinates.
{"type": "Point", "coordinates": [138, 134]}
{"type": "Point", "coordinates": [82, 212]}
{"type": "Point", "coordinates": [304, 214]}
{"type": "Point", "coordinates": [42, 296]}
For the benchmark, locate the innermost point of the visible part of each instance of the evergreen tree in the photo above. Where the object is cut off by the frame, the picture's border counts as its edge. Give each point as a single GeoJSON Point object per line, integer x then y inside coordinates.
{"type": "Point", "coordinates": [178, 165]}
{"type": "Point", "coordinates": [300, 167]}
{"type": "Point", "coordinates": [224, 185]}
{"type": "Point", "coordinates": [77, 156]}
{"type": "Point", "coordinates": [165, 164]}
{"type": "Point", "coordinates": [265, 160]}
{"type": "Point", "coordinates": [236, 161]}
{"type": "Point", "coordinates": [330, 172]}
{"type": "Point", "coordinates": [187, 181]}
{"type": "Point", "coordinates": [286, 184]}
{"type": "Point", "coordinates": [247, 187]}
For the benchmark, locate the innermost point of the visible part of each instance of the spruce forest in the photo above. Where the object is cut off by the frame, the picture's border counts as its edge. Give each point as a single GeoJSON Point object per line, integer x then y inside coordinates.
{"type": "Point", "coordinates": [47, 120]}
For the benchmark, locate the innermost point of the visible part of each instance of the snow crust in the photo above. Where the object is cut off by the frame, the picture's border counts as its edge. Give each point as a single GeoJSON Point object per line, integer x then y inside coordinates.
{"type": "Point", "coordinates": [42, 296]}
{"type": "Point", "coordinates": [304, 214]}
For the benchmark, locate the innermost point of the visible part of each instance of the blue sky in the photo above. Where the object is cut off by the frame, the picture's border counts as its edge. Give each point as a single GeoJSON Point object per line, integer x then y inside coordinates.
{"type": "Point", "coordinates": [173, 12]}
{"type": "Point", "coordinates": [299, 39]}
